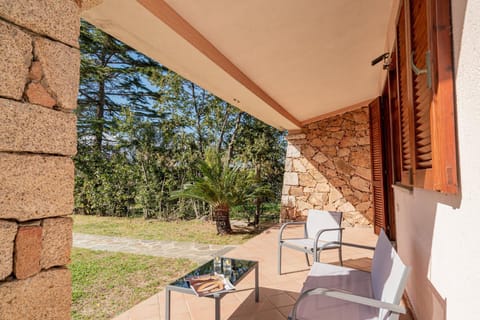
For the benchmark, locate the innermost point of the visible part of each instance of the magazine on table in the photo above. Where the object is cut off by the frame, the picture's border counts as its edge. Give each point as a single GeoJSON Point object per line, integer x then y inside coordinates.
{"type": "Point", "coordinates": [209, 284]}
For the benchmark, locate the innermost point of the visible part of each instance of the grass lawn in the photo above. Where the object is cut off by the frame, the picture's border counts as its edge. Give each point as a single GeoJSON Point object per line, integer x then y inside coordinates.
{"type": "Point", "coordinates": [139, 228]}
{"type": "Point", "coordinates": [108, 283]}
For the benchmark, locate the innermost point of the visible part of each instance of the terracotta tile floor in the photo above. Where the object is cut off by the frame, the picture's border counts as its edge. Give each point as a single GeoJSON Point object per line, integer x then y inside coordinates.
{"type": "Point", "coordinates": [277, 293]}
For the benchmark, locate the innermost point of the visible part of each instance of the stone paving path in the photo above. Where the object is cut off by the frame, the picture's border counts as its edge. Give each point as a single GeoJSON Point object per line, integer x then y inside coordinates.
{"type": "Point", "coordinates": [198, 252]}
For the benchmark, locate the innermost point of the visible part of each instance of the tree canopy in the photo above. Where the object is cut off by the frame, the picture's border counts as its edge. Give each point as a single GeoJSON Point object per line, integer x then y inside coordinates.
{"type": "Point", "coordinates": [143, 130]}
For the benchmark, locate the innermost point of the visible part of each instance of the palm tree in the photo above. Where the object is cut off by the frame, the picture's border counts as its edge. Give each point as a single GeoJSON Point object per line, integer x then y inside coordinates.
{"type": "Point", "coordinates": [222, 186]}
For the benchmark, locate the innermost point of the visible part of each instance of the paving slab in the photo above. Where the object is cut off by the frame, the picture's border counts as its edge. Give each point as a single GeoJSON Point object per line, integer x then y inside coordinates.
{"type": "Point", "coordinates": [198, 252]}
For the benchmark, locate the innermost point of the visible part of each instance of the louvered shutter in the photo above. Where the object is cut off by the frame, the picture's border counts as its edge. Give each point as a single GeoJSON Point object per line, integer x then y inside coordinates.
{"type": "Point", "coordinates": [422, 94]}
{"type": "Point", "coordinates": [378, 178]}
{"type": "Point", "coordinates": [423, 127]}
{"type": "Point", "coordinates": [390, 121]}
{"type": "Point", "coordinates": [404, 108]}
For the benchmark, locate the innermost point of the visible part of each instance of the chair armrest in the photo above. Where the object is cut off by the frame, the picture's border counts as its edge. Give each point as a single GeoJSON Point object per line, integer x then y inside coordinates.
{"type": "Point", "coordinates": [289, 224]}
{"type": "Point", "coordinates": [357, 246]}
{"type": "Point", "coordinates": [395, 308]}
{"type": "Point", "coordinates": [319, 233]}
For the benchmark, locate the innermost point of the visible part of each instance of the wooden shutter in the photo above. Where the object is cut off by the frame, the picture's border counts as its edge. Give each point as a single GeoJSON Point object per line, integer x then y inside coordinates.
{"type": "Point", "coordinates": [423, 125]}
{"type": "Point", "coordinates": [390, 127]}
{"type": "Point", "coordinates": [421, 93]}
{"type": "Point", "coordinates": [443, 106]}
{"type": "Point", "coordinates": [403, 102]}
{"type": "Point", "coordinates": [378, 180]}
{"type": "Point", "coordinates": [395, 117]}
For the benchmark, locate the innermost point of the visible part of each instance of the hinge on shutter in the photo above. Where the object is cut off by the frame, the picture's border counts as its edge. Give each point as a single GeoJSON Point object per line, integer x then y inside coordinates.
{"type": "Point", "coordinates": [428, 70]}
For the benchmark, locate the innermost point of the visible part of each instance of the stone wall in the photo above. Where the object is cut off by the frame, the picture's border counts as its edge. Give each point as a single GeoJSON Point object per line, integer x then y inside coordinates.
{"type": "Point", "coordinates": [39, 76]}
{"type": "Point", "coordinates": [328, 167]}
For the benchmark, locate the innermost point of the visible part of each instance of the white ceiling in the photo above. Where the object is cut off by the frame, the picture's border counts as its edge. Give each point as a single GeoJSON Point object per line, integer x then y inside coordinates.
{"type": "Point", "coordinates": [311, 57]}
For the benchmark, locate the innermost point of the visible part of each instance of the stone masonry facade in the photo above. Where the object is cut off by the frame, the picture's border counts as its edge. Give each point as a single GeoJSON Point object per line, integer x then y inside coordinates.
{"type": "Point", "coordinates": [327, 167]}
{"type": "Point", "coordinates": [39, 78]}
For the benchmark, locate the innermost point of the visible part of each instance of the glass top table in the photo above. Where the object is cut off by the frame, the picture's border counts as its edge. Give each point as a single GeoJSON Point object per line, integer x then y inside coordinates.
{"type": "Point", "coordinates": [239, 270]}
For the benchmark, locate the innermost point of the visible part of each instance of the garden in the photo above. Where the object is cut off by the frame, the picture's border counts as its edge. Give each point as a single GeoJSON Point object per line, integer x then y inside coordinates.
{"type": "Point", "coordinates": [160, 158]}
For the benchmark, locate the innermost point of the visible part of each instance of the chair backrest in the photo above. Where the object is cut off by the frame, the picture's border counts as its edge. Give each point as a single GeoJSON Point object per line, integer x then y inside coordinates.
{"type": "Point", "coordinates": [389, 275]}
{"type": "Point", "coordinates": [318, 220]}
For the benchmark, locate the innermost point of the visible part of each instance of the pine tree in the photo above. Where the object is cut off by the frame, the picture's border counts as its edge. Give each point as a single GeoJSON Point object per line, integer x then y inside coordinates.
{"type": "Point", "coordinates": [112, 75]}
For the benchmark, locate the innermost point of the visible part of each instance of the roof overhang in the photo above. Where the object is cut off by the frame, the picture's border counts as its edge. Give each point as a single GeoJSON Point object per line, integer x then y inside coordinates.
{"type": "Point", "coordinates": [284, 62]}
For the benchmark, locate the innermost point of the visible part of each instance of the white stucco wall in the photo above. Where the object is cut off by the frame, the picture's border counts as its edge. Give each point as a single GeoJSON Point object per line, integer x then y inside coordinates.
{"type": "Point", "coordinates": [439, 235]}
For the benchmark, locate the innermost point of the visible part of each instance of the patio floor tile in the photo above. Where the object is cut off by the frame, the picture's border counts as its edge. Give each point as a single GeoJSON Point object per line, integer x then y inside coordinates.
{"type": "Point", "coordinates": [281, 300]}
{"type": "Point", "coordinates": [285, 311]}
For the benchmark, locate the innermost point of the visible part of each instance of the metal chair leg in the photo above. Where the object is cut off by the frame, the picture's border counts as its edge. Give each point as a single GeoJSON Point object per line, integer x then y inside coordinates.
{"type": "Point", "coordinates": [340, 255]}
{"type": "Point", "coordinates": [279, 258]}
{"type": "Point", "coordinates": [167, 303]}
{"type": "Point", "coordinates": [317, 255]}
{"type": "Point", "coordinates": [217, 308]}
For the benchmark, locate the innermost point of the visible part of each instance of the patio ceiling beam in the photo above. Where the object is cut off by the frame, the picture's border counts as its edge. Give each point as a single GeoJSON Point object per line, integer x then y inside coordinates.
{"type": "Point", "coordinates": [183, 28]}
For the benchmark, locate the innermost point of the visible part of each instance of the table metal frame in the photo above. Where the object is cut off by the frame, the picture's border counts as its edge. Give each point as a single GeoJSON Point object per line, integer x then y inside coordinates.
{"type": "Point", "coordinates": [169, 288]}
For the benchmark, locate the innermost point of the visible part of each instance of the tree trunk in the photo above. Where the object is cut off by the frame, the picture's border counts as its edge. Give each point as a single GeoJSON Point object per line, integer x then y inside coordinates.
{"type": "Point", "coordinates": [195, 209]}
{"type": "Point", "coordinates": [233, 137]}
{"type": "Point", "coordinates": [258, 200]}
{"type": "Point", "coordinates": [222, 132]}
{"type": "Point", "coordinates": [222, 218]}
{"type": "Point", "coordinates": [258, 212]}
{"type": "Point", "coordinates": [99, 125]}
{"type": "Point", "coordinates": [198, 117]}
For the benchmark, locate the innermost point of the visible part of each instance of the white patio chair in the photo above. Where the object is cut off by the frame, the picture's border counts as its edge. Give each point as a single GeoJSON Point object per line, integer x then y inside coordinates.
{"type": "Point", "coordinates": [322, 231]}
{"type": "Point", "coordinates": [334, 293]}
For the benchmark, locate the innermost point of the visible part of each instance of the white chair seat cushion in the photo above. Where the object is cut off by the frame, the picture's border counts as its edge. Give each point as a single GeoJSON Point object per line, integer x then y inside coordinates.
{"type": "Point", "coordinates": [308, 244]}
{"type": "Point", "coordinates": [340, 278]}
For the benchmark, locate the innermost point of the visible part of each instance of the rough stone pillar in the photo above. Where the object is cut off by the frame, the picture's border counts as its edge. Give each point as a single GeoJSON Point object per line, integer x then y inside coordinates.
{"type": "Point", "coordinates": [327, 167]}
{"type": "Point", "coordinates": [39, 76]}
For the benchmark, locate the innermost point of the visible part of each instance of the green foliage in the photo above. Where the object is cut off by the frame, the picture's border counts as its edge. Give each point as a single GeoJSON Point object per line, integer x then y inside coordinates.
{"type": "Point", "coordinates": [113, 75]}
{"type": "Point", "coordinates": [221, 184]}
{"type": "Point", "coordinates": [110, 191]}
{"type": "Point", "coordinates": [142, 130]}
